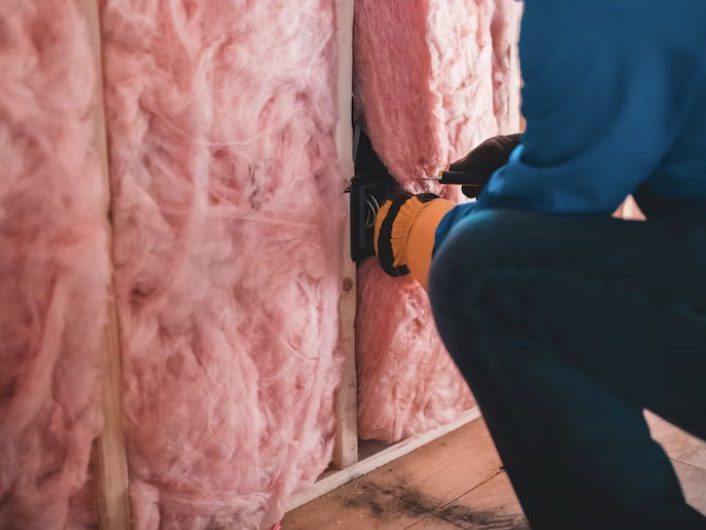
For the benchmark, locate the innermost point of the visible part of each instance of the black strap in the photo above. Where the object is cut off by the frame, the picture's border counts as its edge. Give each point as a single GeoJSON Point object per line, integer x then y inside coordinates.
{"type": "Point", "coordinates": [384, 239]}
{"type": "Point", "coordinates": [384, 244]}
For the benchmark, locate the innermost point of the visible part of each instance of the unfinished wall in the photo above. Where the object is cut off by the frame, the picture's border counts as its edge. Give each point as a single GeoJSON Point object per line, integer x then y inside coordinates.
{"type": "Point", "coordinates": [54, 265]}
{"type": "Point", "coordinates": [227, 216]}
{"type": "Point", "coordinates": [434, 78]}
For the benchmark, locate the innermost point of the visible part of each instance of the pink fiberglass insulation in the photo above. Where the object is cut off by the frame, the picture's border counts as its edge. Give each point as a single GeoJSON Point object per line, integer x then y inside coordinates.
{"type": "Point", "coordinates": [228, 217]}
{"type": "Point", "coordinates": [403, 394]}
{"type": "Point", "coordinates": [54, 265]}
{"type": "Point", "coordinates": [434, 78]}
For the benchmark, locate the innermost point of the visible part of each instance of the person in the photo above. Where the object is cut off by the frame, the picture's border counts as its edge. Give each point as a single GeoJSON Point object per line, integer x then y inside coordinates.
{"type": "Point", "coordinates": [567, 322]}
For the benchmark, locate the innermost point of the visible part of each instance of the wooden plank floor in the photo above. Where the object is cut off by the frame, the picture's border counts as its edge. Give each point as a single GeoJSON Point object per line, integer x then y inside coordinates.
{"type": "Point", "coordinates": [458, 482]}
{"type": "Point", "coordinates": [688, 455]}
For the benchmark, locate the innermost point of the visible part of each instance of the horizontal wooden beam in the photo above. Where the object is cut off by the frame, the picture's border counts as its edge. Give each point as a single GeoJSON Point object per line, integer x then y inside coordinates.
{"type": "Point", "coordinates": [379, 459]}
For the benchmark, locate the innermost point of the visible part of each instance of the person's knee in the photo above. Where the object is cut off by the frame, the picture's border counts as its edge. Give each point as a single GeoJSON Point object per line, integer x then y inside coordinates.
{"type": "Point", "coordinates": [472, 247]}
{"type": "Point", "coordinates": [480, 250]}
{"type": "Point", "coordinates": [458, 267]}
{"type": "Point", "coordinates": [456, 282]}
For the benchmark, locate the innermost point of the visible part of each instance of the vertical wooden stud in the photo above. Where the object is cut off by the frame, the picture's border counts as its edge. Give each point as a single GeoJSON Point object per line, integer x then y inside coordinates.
{"type": "Point", "coordinates": [346, 447]}
{"type": "Point", "coordinates": [112, 479]}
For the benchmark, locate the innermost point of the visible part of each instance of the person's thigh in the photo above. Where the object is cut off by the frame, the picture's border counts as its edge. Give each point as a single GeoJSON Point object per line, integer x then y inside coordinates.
{"type": "Point", "coordinates": [623, 302]}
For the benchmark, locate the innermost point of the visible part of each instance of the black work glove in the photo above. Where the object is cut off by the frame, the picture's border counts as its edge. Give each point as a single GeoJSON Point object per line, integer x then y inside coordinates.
{"type": "Point", "coordinates": [484, 160]}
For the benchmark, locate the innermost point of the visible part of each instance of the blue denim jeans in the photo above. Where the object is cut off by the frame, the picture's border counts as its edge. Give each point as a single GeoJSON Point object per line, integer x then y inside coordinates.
{"type": "Point", "coordinates": [566, 327]}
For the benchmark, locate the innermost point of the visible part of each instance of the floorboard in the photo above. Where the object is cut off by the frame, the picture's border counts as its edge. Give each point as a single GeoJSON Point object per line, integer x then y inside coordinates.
{"type": "Point", "coordinates": [355, 506]}
{"type": "Point", "coordinates": [680, 445]}
{"type": "Point", "coordinates": [693, 481]}
{"type": "Point", "coordinates": [458, 482]}
{"type": "Point", "coordinates": [443, 470]}
{"type": "Point", "coordinates": [491, 505]}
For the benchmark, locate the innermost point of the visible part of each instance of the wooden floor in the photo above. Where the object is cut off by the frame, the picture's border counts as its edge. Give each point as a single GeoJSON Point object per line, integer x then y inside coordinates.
{"type": "Point", "coordinates": [458, 482]}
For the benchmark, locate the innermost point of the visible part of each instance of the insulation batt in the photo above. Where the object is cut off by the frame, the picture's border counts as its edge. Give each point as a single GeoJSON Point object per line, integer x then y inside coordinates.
{"type": "Point", "coordinates": [54, 265]}
{"type": "Point", "coordinates": [434, 78]}
{"type": "Point", "coordinates": [228, 217]}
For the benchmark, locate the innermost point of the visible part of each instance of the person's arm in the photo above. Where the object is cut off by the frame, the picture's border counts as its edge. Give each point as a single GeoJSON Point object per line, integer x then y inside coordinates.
{"type": "Point", "coordinates": [604, 100]}
{"type": "Point", "coordinates": [407, 225]}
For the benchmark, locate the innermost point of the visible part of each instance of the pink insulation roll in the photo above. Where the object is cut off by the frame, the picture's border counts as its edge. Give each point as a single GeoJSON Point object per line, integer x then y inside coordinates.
{"type": "Point", "coordinates": [228, 218]}
{"type": "Point", "coordinates": [433, 78]}
{"type": "Point", "coordinates": [417, 392]}
{"type": "Point", "coordinates": [54, 265]}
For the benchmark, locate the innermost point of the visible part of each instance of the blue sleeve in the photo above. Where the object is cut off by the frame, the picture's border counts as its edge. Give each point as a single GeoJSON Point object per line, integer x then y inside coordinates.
{"type": "Point", "coordinates": [603, 97]}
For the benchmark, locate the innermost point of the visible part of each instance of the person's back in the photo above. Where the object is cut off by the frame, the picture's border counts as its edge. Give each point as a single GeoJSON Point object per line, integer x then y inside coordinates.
{"type": "Point", "coordinates": [615, 94]}
{"type": "Point", "coordinates": [677, 31]}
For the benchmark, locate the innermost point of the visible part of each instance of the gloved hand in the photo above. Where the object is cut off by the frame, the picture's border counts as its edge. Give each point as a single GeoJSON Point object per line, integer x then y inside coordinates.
{"type": "Point", "coordinates": [392, 226]}
{"type": "Point", "coordinates": [405, 230]}
{"type": "Point", "coordinates": [405, 226]}
{"type": "Point", "coordinates": [484, 160]}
